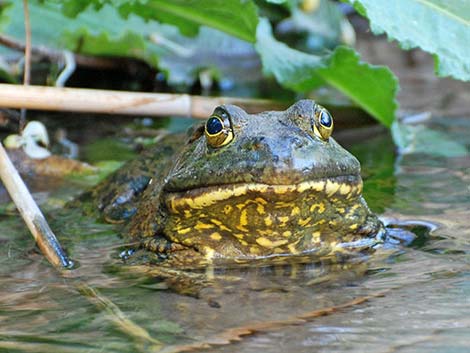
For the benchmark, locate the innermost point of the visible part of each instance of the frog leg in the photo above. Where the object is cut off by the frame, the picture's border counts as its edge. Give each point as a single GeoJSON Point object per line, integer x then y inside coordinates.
{"type": "Point", "coordinates": [146, 225]}
{"type": "Point", "coordinates": [115, 197]}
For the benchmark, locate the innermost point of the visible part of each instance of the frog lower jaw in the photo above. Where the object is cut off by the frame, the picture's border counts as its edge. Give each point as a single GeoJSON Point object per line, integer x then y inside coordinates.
{"type": "Point", "coordinates": [342, 186]}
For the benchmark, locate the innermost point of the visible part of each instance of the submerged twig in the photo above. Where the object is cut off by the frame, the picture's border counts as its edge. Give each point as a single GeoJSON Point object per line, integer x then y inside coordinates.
{"type": "Point", "coordinates": [31, 213]}
{"type": "Point", "coordinates": [119, 319]}
{"type": "Point", "coordinates": [121, 102]}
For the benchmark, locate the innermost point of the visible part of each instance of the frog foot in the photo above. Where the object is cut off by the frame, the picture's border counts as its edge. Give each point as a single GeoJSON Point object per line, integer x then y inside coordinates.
{"type": "Point", "coordinates": [161, 245]}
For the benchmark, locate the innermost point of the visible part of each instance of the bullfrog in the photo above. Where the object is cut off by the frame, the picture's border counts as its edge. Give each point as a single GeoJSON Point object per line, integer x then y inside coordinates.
{"type": "Point", "coordinates": [242, 187]}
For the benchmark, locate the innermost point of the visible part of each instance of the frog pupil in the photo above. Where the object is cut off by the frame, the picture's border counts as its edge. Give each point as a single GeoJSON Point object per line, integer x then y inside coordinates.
{"type": "Point", "coordinates": [325, 119]}
{"type": "Point", "coordinates": [214, 126]}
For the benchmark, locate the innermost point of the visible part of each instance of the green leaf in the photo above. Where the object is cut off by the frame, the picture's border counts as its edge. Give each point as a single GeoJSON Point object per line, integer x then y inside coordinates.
{"type": "Point", "coordinates": [92, 32]}
{"type": "Point", "coordinates": [102, 31]}
{"type": "Point", "coordinates": [238, 63]}
{"type": "Point", "coordinates": [440, 27]}
{"type": "Point", "coordinates": [313, 31]}
{"type": "Point", "coordinates": [371, 87]}
{"type": "Point", "coordinates": [235, 17]}
{"type": "Point", "coordinates": [411, 139]}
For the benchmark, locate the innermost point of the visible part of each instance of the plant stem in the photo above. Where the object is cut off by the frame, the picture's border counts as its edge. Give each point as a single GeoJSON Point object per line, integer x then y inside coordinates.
{"type": "Point", "coordinates": [31, 213]}
{"type": "Point", "coordinates": [27, 49]}
{"type": "Point", "coordinates": [27, 59]}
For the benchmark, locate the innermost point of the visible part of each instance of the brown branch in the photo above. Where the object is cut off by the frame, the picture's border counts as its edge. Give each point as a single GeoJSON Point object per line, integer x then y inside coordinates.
{"type": "Point", "coordinates": [11, 43]}
{"type": "Point", "coordinates": [122, 102]}
{"type": "Point", "coordinates": [57, 55]}
{"type": "Point", "coordinates": [31, 213]}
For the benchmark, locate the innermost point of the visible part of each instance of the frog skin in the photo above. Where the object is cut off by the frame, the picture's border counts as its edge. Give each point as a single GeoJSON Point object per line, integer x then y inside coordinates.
{"type": "Point", "coordinates": [242, 187]}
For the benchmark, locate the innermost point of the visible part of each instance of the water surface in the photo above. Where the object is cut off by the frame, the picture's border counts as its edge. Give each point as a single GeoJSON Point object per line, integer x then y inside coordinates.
{"type": "Point", "coordinates": [418, 297]}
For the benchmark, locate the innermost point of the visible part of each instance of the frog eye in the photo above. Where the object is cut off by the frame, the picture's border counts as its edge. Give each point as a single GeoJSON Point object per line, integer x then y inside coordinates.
{"type": "Point", "coordinates": [218, 129]}
{"type": "Point", "coordinates": [323, 123]}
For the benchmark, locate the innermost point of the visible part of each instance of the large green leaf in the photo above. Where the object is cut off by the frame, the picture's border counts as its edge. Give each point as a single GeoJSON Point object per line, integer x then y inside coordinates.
{"type": "Point", "coordinates": [440, 27]}
{"type": "Point", "coordinates": [371, 87]}
{"type": "Point", "coordinates": [236, 17]}
{"type": "Point", "coordinates": [101, 31]}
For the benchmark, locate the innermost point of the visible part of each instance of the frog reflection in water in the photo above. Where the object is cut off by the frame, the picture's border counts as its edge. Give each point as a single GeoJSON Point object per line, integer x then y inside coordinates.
{"type": "Point", "coordinates": [244, 187]}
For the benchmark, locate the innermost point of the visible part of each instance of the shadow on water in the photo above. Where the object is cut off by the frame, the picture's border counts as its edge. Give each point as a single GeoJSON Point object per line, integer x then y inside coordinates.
{"type": "Point", "coordinates": [413, 298]}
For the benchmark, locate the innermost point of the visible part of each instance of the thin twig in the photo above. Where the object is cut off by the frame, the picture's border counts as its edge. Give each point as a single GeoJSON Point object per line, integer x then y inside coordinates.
{"type": "Point", "coordinates": [31, 213]}
{"type": "Point", "coordinates": [122, 102]}
{"type": "Point", "coordinates": [27, 58]}
{"type": "Point", "coordinates": [27, 50]}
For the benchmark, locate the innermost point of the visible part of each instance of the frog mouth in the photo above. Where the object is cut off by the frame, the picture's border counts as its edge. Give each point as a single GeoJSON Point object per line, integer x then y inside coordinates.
{"type": "Point", "coordinates": [345, 186]}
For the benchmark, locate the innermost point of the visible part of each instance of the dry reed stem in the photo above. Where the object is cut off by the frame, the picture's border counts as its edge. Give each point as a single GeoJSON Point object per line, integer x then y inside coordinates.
{"type": "Point", "coordinates": [31, 213]}
{"type": "Point", "coordinates": [121, 102]}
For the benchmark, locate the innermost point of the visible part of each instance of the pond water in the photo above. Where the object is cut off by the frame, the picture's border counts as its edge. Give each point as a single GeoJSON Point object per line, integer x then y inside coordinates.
{"type": "Point", "coordinates": [411, 299]}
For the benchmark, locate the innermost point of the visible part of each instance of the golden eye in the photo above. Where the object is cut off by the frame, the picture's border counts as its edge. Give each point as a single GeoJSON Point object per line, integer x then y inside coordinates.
{"type": "Point", "coordinates": [323, 123]}
{"type": "Point", "coordinates": [218, 129]}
